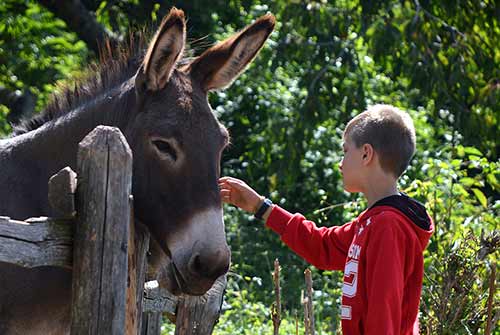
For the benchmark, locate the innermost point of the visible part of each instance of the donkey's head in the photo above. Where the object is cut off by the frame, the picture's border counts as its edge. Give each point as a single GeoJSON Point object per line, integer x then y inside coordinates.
{"type": "Point", "coordinates": [177, 144]}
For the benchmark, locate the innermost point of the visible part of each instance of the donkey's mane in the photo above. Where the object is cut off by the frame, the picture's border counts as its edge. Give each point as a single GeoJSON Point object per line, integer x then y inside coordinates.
{"type": "Point", "coordinates": [116, 64]}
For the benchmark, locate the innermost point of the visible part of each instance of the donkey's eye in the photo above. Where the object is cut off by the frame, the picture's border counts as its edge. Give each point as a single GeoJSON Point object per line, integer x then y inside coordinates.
{"type": "Point", "coordinates": [166, 148]}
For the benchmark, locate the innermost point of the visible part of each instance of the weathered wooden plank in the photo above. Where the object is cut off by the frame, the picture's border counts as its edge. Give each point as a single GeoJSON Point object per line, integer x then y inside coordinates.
{"type": "Point", "coordinates": [198, 315]}
{"type": "Point", "coordinates": [157, 300]}
{"type": "Point", "coordinates": [151, 324]}
{"type": "Point", "coordinates": [62, 187]}
{"type": "Point", "coordinates": [137, 265]}
{"type": "Point", "coordinates": [36, 242]}
{"type": "Point", "coordinates": [131, 316]}
{"type": "Point", "coordinates": [101, 236]}
{"type": "Point", "coordinates": [142, 238]}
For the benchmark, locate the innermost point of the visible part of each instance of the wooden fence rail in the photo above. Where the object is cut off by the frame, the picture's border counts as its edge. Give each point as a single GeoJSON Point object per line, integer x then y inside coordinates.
{"type": "Point", "coordinates": [36, 242]}
{"type": "Point", "coordinates": [104, 247]}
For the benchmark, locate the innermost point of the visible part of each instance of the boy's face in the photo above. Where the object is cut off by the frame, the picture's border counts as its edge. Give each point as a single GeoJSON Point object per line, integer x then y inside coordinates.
{"type": "Point", "coordinates": [351, 165]}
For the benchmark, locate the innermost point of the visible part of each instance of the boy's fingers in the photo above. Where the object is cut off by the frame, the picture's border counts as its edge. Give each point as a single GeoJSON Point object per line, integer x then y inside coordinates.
{"type": "Point", "coordinates": [237, 184]}
{"type": "Point", "coordinates": [226, 179]}
{"type": "Point", "coordinates": [225, 193]}
{"type": "Point", "coordinates": [231, 180]}
{"type": "Point", "coordinates": [230, 185]}
{"type": "Point", "coordinates": [224, 186]}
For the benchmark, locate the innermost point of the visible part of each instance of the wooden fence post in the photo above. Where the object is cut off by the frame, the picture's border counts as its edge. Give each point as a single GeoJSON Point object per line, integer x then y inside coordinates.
{"type": "Point", "coordinates": [198, 315]}
{"type": "Point", "coordinates": [156, 302]}
{"type": "Point", "coordinates": [151, 323]}
{"type": "Point", "coordinates": [137, 259]}
{"type": "Point", "coordinates": [62, 188]}
{"type": "Point", "coordinates": [101, 234]}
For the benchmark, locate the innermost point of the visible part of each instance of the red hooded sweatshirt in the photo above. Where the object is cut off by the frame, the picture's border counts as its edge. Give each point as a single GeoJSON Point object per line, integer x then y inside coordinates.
{"type": "Point", "coordinates": [381, 253]}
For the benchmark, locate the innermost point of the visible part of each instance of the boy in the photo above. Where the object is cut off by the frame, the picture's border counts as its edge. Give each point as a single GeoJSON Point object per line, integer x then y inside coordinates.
{"type": "Point", "coordinates": [381, 250]}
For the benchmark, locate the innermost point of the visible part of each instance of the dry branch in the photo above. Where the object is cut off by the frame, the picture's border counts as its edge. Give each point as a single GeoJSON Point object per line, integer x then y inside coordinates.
{"type": "Point", "coordinates": [491, 295]}
{"type": "Point", "coordinates": [308, 304]}
{"type": "Point", "coordinates": [276, 308]}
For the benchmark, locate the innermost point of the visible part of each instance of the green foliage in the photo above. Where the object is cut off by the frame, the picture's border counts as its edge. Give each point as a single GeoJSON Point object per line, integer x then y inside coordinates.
{"type": "Point", "coordinates": [458, 261]}
{"type": "Point", "coordinates": [447, 54]}
{"type": "Point", "coordinates": [4, 126]}
{"type": "Point", "coordinates": [36, 51]}
{"type": "Point", "coordinates": [457, 272]}
{"type": "Point", "coordinates": [326, 62]}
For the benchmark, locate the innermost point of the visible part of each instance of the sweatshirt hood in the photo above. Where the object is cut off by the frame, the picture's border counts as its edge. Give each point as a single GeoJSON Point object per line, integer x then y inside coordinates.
{"type": "Point", "coordinates": [413, 210]}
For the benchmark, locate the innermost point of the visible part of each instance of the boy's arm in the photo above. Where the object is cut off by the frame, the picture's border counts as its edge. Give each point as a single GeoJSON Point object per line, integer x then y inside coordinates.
{"type": "Point", "coordinates": [325, 247]}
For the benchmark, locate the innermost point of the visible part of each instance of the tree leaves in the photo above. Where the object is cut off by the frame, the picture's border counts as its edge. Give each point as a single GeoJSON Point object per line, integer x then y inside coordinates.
{"type": "Point", "coordinates": [325, 63]}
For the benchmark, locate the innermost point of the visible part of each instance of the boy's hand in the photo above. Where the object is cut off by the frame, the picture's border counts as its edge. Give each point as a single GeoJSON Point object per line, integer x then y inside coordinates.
{"type": "Point", "coordinates": [236, 192]}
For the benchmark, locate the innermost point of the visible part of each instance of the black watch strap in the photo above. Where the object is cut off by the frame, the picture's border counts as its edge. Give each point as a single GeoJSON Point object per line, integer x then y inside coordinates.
{"type": "Point", "coordinates": [263, 208]}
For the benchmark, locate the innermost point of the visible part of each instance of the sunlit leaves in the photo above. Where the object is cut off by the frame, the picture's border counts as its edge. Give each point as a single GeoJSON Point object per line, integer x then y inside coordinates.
{"type": "Point", "coordinates": [325, 62]}
{"type": "Point", "coordinates": [36, 50]}
{"type": "Point", "coordinates": [481, 197]}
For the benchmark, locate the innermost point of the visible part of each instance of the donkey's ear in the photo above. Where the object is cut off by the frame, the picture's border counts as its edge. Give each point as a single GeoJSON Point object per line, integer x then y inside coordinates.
{"type": "Point", "coordinates": [164, 50]}
{"type": "Point", "coordinates": [218, 66]}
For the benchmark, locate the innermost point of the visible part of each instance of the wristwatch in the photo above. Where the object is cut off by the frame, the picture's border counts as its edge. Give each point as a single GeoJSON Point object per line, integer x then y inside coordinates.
{"type": "Point", "coordinates": [263, 208]}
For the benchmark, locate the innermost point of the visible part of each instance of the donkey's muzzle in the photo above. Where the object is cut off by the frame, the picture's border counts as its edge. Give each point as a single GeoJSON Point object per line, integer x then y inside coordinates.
{"type": "Point", "coordinates": [200, 252]}
{"type": "Point", "coordinates": [209, 264]}
{"type": "Point", "coordinates": [203, 269]}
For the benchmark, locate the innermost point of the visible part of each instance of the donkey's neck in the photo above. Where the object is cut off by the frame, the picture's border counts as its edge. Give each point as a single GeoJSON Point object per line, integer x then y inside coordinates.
{"type": "Point", "coordinates": [40, 153]}
{"type": "Point", "coordinates": [63, 134]}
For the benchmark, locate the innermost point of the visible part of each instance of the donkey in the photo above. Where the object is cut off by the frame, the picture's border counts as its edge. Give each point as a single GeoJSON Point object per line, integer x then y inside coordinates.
{"type": "Point", "coordinates": [159, 102]}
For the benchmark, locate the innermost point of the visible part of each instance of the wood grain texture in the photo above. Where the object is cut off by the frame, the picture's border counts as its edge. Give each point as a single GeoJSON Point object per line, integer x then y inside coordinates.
{"type": "Point", "coordinates": [151, 324]}
{"type": "Point", "coordinates": [158, 300]}
{"type": "Point", "coordinates": [62, 188]}
{"type": "Point", "coordinates": [102, 233]}
{"type": "Point", "coordinates": [137, 265]}
{"type": "Point", "coordinates": [198, 315]}
{"type": "Point", "coordinates": [36, 242]}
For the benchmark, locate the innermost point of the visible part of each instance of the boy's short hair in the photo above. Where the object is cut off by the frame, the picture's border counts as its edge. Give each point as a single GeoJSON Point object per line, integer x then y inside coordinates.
{"type": "Point", "coordinates": [391, 133]}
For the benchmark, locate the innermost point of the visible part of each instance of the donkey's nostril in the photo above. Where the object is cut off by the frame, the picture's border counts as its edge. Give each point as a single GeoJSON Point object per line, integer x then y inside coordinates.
{"type": "Point", "coordinates": [210, 264]}
{"type": "Point", "coordinates": [197, 264]}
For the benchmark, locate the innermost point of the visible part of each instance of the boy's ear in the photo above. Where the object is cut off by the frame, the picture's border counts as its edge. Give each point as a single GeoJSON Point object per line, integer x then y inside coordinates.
{"type": "Point", "coordinates": [368, 153]}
